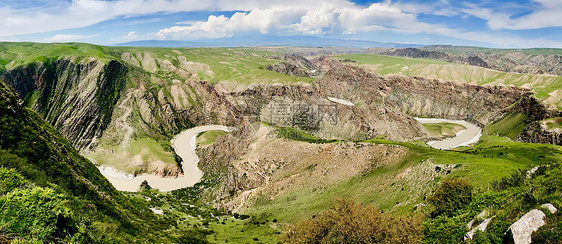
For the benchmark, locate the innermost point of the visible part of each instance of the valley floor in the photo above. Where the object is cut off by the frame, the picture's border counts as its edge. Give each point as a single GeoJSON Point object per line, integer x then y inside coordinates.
{"type": "Point", "coordinates": [184, 145]}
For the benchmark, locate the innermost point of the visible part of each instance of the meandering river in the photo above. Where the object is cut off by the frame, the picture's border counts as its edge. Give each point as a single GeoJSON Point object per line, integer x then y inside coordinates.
{"type": "Point", "coordinates": [463, 138]}
{"type": "Point", "coordinates": [184, 144]}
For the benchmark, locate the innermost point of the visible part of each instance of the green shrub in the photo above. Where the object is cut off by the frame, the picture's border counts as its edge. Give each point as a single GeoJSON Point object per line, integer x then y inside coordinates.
{"type": "Point", "coordinates": [10, 179]}
{"type": "Point", "coordinates": [450, 196]}
{"type": "Point", "coordinates": [32, 213]}
{"type": "Point", "coordinates": [348, 222]}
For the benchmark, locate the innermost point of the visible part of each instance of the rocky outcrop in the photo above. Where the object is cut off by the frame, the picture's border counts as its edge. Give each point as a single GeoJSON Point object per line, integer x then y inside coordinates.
{"type": "Point", "coordinates": [288, 69]}
{"type": "Point", "coordinates": [307, 108]}
{"type": "Point", "coordinates": [519, 61]}
{"type": "Point", "coordinates": [520, 232]}
{"type": "Point", "coordinates": [76, 98]}
{"type": "Point", "coordinates": [294, 65]}
{"type": "Point", "coordinates": [538, 132]}
{"type": "Point", "coordinates": [410, 53]}
{"type": "Point", "coordinates": [424, 97]}
{"type": "Point", "coordinates": [481, 227]}
{"type": "Point", "coordinates": [437, 55]}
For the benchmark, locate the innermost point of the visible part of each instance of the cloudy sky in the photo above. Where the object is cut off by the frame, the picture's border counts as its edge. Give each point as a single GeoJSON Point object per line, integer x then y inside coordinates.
{"type": "Point", "coordinates": [490, 23]}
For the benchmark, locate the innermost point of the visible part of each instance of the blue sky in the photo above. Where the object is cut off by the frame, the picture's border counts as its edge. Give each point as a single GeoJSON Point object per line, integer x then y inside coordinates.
{"type": "Point", "coordinates": [489, 23]}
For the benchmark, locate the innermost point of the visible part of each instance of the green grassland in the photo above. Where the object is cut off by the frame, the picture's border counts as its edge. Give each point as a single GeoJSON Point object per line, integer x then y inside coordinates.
{"type": "Point", "coordinates": [232, 66]}
{"type": "Point", "coordinates": [145, 149]}
{"type": "Point", "coordinates": [209, 137]}
{"type": "Point", "coordinates": [188, 217]}
{"type": "Point", "coordinates": [389, 187]}
{"type": "Point", "coordinates": [553, 123]}
{"type": "Point", "coordinates": [543, 85]}
{"type": "Point", "coordinates": [444, 128]}
{"type": "Point", "coordinates": [13, 54]}
{"type": "Point", "coordinates": [511, 126]}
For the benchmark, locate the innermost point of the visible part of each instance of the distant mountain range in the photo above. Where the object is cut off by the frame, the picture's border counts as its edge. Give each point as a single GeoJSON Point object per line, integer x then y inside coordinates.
{"type": "Point", "coordinates": [267, 41]}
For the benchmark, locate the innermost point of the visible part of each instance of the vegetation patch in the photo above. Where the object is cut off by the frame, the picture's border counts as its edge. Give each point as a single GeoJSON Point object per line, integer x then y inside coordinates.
{"type": "Point", "coordinates": [553, 123]}
{"type": "Point", "coordinates": [510, 126]}
{"type": "Point", "coordinates": [345, 221]}
{"type": "Point", "coordinates": [543, 85]}
{"type": "Point", "coordinates": [443, 129]}
{"type": "Point", "coordinates": [209, 137]}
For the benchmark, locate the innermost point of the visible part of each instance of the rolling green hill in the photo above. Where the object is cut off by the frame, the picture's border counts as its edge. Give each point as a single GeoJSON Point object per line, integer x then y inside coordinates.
{"type": "Point", "coordinates": [546, 87]}
{"type": "Point", "coordinates": [120, 106]}
{"type": "Point", "coordinates": [51, 194]}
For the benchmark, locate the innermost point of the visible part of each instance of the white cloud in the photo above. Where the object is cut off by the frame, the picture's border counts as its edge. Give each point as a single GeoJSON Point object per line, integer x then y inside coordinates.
{"type": "Point", "coordinates": [68, 38]}
{"type": "Point", "coordinates": [547, 13]}
{"type": "Point", "coordinates": [279, 17]}
{"type": "Point", "coordinates": [61, 15]}
{"type": "Point", "coordinates": [130, 36]}
{"type": "Point", "coordinates": [256, 21]}
{"type": "Point", "coordinates": [326, 18]}
{"type": "Point", "coordinates": [317, 22]}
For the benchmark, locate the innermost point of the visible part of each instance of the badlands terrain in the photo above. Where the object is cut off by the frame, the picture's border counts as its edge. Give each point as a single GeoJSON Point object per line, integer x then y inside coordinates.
{"type": "Point", "coordinates": [259, 144]}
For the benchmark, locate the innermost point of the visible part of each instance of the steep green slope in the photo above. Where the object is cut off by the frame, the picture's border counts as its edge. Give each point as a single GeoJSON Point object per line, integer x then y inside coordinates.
{"type": "Point", "coordinates": [119, 105]}
{"type": "Point", "coordinates": [49, 193]}
{"type": "Point", "coordinates": [42, 156]}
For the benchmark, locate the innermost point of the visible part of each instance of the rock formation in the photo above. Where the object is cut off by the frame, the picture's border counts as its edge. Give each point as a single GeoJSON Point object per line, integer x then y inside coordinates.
{"type": "Point", "coordinates": [514, 61]}
{"type": "Point", "coordinates": [520, 232]}
{"type": "Point", "coordinates": [538, 132]}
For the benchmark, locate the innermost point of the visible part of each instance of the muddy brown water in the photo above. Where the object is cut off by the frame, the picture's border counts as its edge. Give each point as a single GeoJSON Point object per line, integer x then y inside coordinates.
{"type": "Point", "coordinates": [463, 138]}
{"type": "Point", "coordinates": [184, 145]}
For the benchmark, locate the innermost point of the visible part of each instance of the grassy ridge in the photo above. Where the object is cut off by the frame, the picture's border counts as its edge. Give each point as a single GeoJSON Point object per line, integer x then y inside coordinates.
{"type": "Point", "coordinates": [388, 188]}
{"type": "Point", "coordinates": [13, 54]}
{"type": "Point", "coordinates": [207, 138]}
{"type": "Point", "coordinates": [511, 126]}
{"type": "Point", "coordinates": [444, 128]}
{"type": "Point", "coordinates": [543, 85]}
{"type": "Point", "coordinates": [234, 66]}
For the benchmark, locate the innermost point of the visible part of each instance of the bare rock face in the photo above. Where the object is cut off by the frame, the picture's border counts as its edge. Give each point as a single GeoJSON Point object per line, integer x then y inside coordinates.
{"type": "Point", "coordinates": [481, 227]}
{"type": "Point", "coordinates": [550, 207]}
{"type": "Point", "coordinates": [307, 108]}
{"type": "Point", "coordinates": [288, 69]}
{"type": "Point", "coordinates": [425, 97]}
{"type": "Point", "coordinates": [537, 132]}
{"type": "Point", "coordinates": [294, 65]}
{"type": "Point", "coordinates": [77, 99]}
{"type": "Point", "coordinates": [520, 232]}
{"type": "Point", "coordinates": [517, 61]}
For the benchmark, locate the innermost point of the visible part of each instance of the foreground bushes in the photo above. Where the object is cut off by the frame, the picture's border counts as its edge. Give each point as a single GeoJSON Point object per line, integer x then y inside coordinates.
{"type": "Point", "coordinates": [348, 222]}
{"type": "Point", "coordinates": [450, 196]}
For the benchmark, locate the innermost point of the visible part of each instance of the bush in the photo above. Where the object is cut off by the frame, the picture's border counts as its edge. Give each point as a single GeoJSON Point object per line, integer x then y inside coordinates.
{"type": "Point", "coordinates": [32, 213]}
{"type": "Point", "coordinates": [450, 196]}
{"type": "Point", "coordinates": [348, 222]}
{"type": "Point", "coordinates": [10, 179]}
